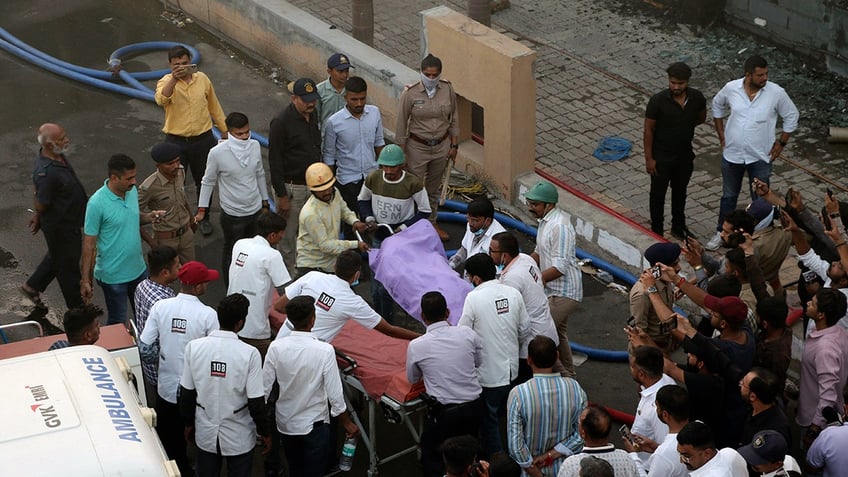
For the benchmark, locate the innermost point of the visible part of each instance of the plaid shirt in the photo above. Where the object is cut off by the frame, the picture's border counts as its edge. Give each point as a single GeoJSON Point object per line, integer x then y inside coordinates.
{"type": "Point", "coordinates": [147, 293]}
{"type": "Point", "coordinates": [556, 246]}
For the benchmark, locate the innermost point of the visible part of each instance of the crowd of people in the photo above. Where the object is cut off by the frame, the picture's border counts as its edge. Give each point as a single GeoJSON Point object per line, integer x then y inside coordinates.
{"type": "Point", "coordinates": [220, 377]}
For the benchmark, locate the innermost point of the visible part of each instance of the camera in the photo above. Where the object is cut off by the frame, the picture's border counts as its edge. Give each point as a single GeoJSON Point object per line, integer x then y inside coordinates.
{"type": "Point", "coordinates": [809, 276]}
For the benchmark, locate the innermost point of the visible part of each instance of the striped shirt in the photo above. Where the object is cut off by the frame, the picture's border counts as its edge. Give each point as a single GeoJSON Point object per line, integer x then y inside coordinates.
{"type": "Point", "coordinates": [542, 414]}
{"type": "Point", "coordinates": [556, 246]}
{"type": "Point", "coordinates": [147, 293]}
{"type": "Point", "coordinates": [619, 460]}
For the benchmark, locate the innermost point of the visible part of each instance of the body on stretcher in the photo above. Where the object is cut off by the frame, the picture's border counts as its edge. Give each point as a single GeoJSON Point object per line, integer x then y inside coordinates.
{"type": "Point", "coordinates": [373, 369]}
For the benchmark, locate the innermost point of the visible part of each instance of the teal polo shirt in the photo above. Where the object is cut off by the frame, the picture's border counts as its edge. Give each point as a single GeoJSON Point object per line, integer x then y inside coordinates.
{"type": "Point", "coordinates": [115, 222]}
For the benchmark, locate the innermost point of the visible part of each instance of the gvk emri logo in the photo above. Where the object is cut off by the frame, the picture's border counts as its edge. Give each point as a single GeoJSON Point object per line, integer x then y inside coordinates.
{"type": "Point", "coordinates": [47, 411]}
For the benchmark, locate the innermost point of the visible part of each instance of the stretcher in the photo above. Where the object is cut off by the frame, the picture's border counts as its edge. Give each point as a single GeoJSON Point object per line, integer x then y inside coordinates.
{"type": "Point", "coordinates": [411, 263]}
{"type": "Point", "coordinates": [373, 371]}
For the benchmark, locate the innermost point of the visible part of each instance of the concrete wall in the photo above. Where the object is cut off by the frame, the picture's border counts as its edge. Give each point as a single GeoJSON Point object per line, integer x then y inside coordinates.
{"type": "Point", "coordinates": [496, 72]}
{"type": "Point", "coordinates": [816, 28]}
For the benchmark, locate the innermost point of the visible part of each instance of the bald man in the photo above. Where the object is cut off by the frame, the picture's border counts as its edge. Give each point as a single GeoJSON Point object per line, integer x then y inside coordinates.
{"type": "Point", "coordinates": [59, 210]}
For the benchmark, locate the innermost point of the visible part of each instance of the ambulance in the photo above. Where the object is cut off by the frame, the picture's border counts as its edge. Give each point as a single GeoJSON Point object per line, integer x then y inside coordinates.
{"type": "Point", "coordinates": [74, 411]}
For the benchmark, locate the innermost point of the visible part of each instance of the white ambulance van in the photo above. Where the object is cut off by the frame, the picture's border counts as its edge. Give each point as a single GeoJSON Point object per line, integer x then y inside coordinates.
{"type": "Point", "coordinates": [74, 412]}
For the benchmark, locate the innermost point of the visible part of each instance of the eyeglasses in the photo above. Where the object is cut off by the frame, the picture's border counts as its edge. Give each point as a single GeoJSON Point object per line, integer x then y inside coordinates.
{"type": "Point", "coordinates": [494, 251]}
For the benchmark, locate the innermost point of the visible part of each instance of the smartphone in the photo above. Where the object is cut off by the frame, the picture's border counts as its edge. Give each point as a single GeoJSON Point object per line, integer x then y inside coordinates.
{"type": "Point", "coordinates": [656, 272]}
{"type": "Point", "coordinates": [809, 276]}
{"type": "Point", "coordinates": [631, 322]}
{"type": "Point", "coordinates": [667, 326]}
{"type": "Point", "coordinates": [192, 68]}
{"type": "Point", "coordinates": [624, 430]}
{"type": "Point", "coordinates": [829, 193]}
{"type": "Point", "coordinates": [826, 221]}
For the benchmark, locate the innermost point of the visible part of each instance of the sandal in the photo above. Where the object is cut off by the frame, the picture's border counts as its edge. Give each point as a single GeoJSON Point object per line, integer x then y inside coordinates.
{"type": "Point", "coordinates": [34, 296]}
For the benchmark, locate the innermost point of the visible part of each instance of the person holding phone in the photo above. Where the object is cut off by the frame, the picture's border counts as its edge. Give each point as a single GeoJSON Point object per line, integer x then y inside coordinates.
{"type": "Point", "coordinates": [191, 106]}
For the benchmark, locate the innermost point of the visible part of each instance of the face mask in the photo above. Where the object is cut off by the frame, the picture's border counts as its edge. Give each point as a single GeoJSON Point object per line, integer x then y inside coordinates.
{"type": "Point", "coordinates": [355, 282]}
{"type": "Point", "coordinates": [479, 232]}
{"type": "Point", "coordinates": [499, 269]}
{"type": "Point", "coordinates": [240, 148]}
{"type": "Point", "coordinates": [430, 84]}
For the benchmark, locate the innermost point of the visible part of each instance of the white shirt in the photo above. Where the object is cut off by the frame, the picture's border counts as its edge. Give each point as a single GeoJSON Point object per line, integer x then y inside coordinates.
{"type": "Point", "coordinates": [256, 270]}
{"type": "Point", "coordinates": [665, 461]}
{"type": "Point", "coordinates": [306, 371]}
{"type": "Point", "coordinates": [556, 244]}
{"type": "Point", "coordinates": [226, 373]}
{"type": "Point", "coordinates": [174, 322]}
{"type": "Point", "coordinates": [242, 187]}
{"type": "Point", "coordinates": [472, 245]}
{"type": "Point", "coordinates": [335, 303]}
{"type": "Point", "coordinates": [726, 463]}
{"type": "Point", "coordinates": [524, 275]}
{"type": "Point", "coordinates": [349, 143]}
{"type": "Point", "coordinates": [749, 132]}
{"type": "Point", "coordinates": [647, 423]}
{"type": "Point", "coordinates": [496, 312]}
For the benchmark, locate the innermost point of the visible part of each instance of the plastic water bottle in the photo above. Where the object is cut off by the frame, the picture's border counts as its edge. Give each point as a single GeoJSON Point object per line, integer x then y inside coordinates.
{"type": "Point", "coordinates": [348, 450]}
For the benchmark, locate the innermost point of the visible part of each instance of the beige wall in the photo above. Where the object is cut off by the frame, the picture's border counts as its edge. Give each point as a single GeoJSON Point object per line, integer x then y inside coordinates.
{"type": "Point", "coordinates": [495, 72]}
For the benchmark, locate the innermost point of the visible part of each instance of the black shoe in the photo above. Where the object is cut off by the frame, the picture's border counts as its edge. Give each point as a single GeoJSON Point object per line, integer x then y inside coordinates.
{"type": "Point", "coordinates": [680, 233]}
{"type": "Point", "coordinates": [205, 228]}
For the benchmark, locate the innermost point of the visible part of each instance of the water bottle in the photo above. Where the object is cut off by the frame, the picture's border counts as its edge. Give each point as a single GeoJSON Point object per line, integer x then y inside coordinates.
{"type": "Point", "coordinates": [348, 450]}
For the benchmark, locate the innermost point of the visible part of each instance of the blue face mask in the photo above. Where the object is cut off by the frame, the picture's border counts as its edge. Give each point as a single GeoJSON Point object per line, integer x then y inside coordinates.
{"type": "Point", "coordinates": [479, 232]}
{"type": "Point", "coordinates": [355, 282]}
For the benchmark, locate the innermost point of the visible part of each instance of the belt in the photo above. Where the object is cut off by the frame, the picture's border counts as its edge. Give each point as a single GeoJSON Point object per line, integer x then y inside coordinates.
{"type": "Point", "coordinates": [169, 234]}
{"type": "Point", "coordinates": [188, 139]}
{"type": "Point", "coordinates": [428, 142]}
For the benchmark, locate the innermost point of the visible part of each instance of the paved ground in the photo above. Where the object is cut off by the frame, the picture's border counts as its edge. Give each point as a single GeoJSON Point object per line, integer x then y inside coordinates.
{"type": "Point", "coordinates": [598, 62]}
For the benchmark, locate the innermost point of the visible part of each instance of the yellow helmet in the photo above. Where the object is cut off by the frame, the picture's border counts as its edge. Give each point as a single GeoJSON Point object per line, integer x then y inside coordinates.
{"type": "Point", "coordinates": [319, 177]}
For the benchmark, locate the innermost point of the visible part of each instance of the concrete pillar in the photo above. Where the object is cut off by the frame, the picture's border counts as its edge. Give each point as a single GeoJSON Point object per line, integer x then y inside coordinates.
{"type": "Point", "coordinates": [495, 72]}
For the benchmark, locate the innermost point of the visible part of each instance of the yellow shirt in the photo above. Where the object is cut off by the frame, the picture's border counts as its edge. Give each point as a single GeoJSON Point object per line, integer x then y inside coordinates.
{"type": "Point", "coordinates": [318, 243]}
{"type": "Point", "coordinates": [188, 109]}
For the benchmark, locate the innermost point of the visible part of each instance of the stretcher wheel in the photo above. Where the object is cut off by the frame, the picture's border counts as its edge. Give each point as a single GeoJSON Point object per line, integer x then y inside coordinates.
{"type": "Point", "coordinates": [390, 414]}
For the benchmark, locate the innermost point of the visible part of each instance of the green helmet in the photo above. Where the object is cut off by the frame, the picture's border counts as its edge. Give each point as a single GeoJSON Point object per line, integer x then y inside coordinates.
{"type": "Point", "coordinates": [543, 191]}
{"type": "Point", "coordinates": [391, 155]}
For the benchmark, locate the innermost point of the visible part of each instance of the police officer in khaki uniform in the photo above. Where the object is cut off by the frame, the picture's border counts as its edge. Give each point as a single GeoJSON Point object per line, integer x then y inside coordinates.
{"type": "Point", "coordinates": [165, 190]}
{"type": "Point", "coordinates": [428, 130]}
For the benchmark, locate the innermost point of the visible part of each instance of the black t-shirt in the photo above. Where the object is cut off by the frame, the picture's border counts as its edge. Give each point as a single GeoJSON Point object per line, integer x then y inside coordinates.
{"type": "Point", "coordinates": [773, 419]}
{"type": "Point", "coordinates": [675, 125]}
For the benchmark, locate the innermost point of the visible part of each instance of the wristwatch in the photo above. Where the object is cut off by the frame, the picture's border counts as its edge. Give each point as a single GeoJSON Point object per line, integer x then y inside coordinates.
{"type": "Point", "coordinates": [782, 143]}
{"type": "Point", "coordinates": [652, 289]}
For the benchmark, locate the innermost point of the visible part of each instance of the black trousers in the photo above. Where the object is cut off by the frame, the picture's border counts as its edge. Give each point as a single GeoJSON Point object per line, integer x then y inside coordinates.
{"type": "Point", "coordinates": [675, 174]}
{"type": "Point", "coordinates": [171, 431]}
{"type": "Point", "coordinates": [350, 192]}
{"type": "Point", "coordinates": [62, 262]}
{"type": "Point", "coordinates": [443, 422]}
{"type": "Point", "coordinates": [234, 229]}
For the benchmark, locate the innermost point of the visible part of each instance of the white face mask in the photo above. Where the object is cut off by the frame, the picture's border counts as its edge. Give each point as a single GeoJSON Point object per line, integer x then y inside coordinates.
{"type": "Point", "coordinates": [430, 84]}
{"type": "Point", "coordinates": [240, 148]}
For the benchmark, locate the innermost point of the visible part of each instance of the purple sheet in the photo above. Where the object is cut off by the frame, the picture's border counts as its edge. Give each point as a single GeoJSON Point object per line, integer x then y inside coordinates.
{"type": "Point", "coordinates": [411, 263]}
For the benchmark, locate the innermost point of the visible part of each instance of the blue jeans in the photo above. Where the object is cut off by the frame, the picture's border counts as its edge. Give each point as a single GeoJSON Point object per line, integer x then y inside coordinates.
{"type": "Point", "coordinates": [308, 455]}
{"type": "Point", "coordinates": [116, 295]}
{"type": "Point", "coordinates": [731, 183]}
{"type": "Point", "coordinates": [494, 402]}
{"type": "Point", "coordinates": [208, 464]}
